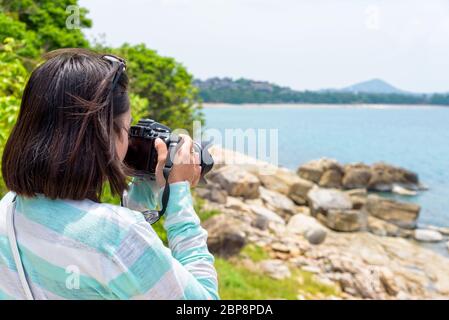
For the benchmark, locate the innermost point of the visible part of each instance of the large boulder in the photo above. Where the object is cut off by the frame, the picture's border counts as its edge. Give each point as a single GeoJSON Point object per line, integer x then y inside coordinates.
{"type": "Point", "coordinates": [308, 227]}
{"type": "Point", "coordinates": [279, 181]}
{"type": "Point", "coordinates": [345, 220]}
{"type": "Point", "coordinates": [356, 176]}
{"type": "Point", "coordinates": [384, 176]}
{"type": "Point", "coordinates": [236, 182]}
{"type": "Point", "coordinates": [280, 203]}
{"type": "Point", "coordinates": [225, 235]}
{"type": "Point", "coordinates": [212, 192]}
{"type": "Point", "coordinates": [401, 214]}
{"type": "Point", "coordinates": [321, 200]}
{"type": "Point", "coordinates": [331, 178]}
{"type": "Point", "coordinates": [426, 235]}
{"type": "Point", "coordinates": [313, 170]}
{"type": "Point", "coordinates": [236, 204]}
{"type": "Point", "coordinates": [385, 229]}
{"type": "Point", "coordinates": [299, 189]}
{"type": "Point", "coordinates": [266, 213]}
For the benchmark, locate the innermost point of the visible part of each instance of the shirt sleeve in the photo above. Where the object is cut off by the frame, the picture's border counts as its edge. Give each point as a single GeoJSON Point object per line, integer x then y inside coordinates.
{"type": "Point", "coordinates": [146, 269]}
{"type": "Point", "coordinates": [141, 195]}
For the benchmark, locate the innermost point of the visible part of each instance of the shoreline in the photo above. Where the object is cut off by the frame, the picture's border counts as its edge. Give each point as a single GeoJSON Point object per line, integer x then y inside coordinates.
{"type": "Point", "coordinates": [346, 239]}
{"type": "Point", "coordinates": [220, 105]}
{"type": "Point", "coordinates": [223, 156]}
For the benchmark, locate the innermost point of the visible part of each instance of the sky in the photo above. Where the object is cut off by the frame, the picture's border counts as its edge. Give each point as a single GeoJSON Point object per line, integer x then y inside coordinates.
{"type": "Point", "coordinates": [310, 45]}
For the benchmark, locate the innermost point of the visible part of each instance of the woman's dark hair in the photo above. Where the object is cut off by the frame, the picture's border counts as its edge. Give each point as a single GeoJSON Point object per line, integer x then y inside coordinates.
{"type": "Point", "coordinates": [63, 143]}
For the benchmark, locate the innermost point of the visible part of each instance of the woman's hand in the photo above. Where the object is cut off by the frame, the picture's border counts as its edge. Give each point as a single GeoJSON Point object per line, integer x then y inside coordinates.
{"type": "Point", "coordinates": [186, 164]}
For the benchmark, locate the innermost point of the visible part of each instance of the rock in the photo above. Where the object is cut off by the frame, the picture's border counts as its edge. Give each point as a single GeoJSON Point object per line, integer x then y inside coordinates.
{"type": "Point", "coordinates": [357, 192]}
{"type": "Point", "coordinates": [426, 235]}
{"type": "Point", "coordinates": [403, 191]}
{"type": "Point", "coordinates": [447, 245]}
{"type": "Point", "coordinates": [331, 178]}
{"type": "Point", "coordinates": [383, 176]}
{"type": "Point", "coordinates": [236, 181]}
{"type": "Point", "coordinates": [260, 222]}
{"type": "Point", "coordinates": [358, 197]}
{"type": "Point", "coordinates": [345, 220]}
{"type": "Point", "coordinates": [322, 200]}
{"type": "Point", "coordinates": [401, 214]}
{"type": "Point", "coordinates": [313, 170]}
{"type": "Point", "coordinates": [276, 269]}
{"type": "Point", "coordinates": [280, 203]}
{"type": "Point", "coordinates": [385, 229]}
{"type": "Point", "coordinates": [382, 228]}
{"type": "Point", "coordinates": [225, 235]}
{"type": "Point", "coordinates": [311, 269]}
{"type": "Point", "coordinates": [443, 230]}
{"type": "Point", "coordinates": [280, 247]}
{"type": "Point", "coordinates": [356, 176]}
{"type": "Point", "coordinates": [212, 193]}
{"type": "Point", "coordinates": [298, 191]}
{"type": "Point", "coordinates": [316, 236]}
{"type": "Point", "coordinates": [268, 214]}
{"type": "Point", "coordinates": [308, 227]}
{"type": "Point", "coordinates": [236, 204]}
{"type": "Point", "coordinates": [300, 224]}
{"type": "Point", "coordinates": [358, 202]}
{"type": "Point", "coordinates": [280, 181]}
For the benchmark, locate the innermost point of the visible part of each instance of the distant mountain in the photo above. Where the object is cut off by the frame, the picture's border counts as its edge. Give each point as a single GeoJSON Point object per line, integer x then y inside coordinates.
{"type": "Point", "coordinates": [376, 91]}
{"type": "Point", "coordinates": [374, 86]}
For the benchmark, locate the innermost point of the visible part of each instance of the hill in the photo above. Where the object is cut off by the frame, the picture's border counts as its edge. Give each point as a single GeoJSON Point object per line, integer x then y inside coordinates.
{"type": "Point", "coordinates": [374, 86]}
{"type": "Point", "coordinates": [227, 90]}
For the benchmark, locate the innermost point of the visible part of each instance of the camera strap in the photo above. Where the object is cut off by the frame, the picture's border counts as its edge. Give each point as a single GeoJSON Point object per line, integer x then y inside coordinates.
{"type": "Point", "coordinates": [152, 216]}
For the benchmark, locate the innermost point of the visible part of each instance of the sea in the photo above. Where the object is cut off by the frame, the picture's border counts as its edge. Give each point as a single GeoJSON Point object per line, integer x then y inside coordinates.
{"type": "Point", "coordinates": [413, 137]}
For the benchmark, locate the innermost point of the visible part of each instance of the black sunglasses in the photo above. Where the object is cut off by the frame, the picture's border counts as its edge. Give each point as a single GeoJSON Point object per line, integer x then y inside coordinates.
{"type": "Point", "coordinates": [120, 69]}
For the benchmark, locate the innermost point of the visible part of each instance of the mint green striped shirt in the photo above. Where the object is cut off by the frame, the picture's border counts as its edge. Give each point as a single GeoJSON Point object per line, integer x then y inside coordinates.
{"type": "Point", "coordinates": [87, 250]}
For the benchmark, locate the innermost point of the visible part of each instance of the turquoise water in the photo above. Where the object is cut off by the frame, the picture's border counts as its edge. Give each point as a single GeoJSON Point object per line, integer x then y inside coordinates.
{"type": "Point", "coordinates": [416, 138]}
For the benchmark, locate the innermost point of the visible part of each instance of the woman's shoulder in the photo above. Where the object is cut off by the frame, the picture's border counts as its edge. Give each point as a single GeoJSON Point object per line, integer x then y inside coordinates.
{"type": "Point", "coordinates": [122, 216]}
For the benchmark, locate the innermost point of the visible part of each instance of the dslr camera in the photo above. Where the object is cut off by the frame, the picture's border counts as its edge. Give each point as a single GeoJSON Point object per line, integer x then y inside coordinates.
{"type": "Point", "coordinates": [142, 155]}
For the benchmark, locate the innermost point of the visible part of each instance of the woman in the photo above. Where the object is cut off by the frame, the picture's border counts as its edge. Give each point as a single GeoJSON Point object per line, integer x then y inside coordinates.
{"type": "Point", "coordinates": [70, 139]}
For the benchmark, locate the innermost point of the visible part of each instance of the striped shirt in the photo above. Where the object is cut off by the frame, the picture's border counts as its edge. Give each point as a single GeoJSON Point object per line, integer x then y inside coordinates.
{"type": "Point", "coordinates": [87, 250]}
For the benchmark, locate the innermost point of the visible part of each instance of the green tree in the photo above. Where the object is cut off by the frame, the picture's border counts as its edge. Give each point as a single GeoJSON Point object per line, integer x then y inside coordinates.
{"type": "Point", "coordinates": [13, 75]}
{"type": "Point", "coordinates": [165, 84]}
{"type": "Point", "coordinates": [48, 20]}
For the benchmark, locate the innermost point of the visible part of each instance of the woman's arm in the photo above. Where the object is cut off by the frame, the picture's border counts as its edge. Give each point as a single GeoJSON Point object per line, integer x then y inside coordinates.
{"type": "Point", "coordinates": [146, 269]}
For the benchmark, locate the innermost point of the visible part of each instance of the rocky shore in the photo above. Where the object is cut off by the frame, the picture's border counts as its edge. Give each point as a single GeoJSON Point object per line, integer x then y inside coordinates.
{"type": "Point", "coordinates": [323, 219]}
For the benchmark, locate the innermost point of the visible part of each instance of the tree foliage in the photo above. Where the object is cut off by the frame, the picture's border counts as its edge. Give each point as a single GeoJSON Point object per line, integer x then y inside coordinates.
{"type": "Point", "coordinates": [164, 83]}
{"type": "Point", "coordinates": [247, 91]}
{"type": "Point", "coordinates": [13, 75]}
{"type": "Point", "coordinates": [160, 87]}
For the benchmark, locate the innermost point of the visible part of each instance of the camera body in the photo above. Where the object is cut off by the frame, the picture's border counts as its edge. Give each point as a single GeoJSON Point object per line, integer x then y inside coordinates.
{"type": "Point", "coordinates": [142, 155]}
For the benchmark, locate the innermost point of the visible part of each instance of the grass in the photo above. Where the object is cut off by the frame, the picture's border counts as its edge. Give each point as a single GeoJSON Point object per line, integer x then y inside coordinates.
{"type": "Point", "coordinates": [237, 282]}
{"type": "Point", "coordinates": [255, 253]}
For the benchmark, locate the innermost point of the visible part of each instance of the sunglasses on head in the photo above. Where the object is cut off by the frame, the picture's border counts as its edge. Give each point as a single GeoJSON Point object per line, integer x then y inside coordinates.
{"type": "Point", "coordinates": [115, 60]}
